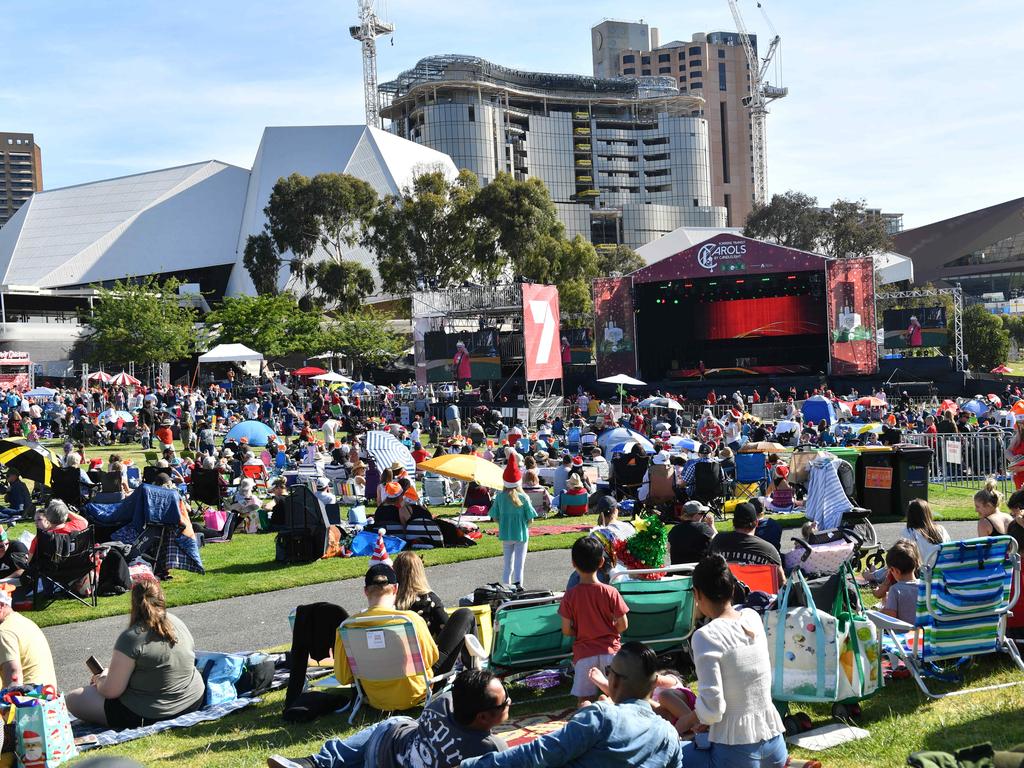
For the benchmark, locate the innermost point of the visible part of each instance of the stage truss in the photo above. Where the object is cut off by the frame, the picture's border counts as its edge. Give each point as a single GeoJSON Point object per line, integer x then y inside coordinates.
{"type": "Point", "coordinates": [959, 358]}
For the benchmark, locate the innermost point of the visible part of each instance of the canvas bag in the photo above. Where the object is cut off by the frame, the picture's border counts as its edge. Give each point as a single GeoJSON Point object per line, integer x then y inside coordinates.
{"type": "Point", "coordinates": [804, 645]}
{"type": "Point", "coordinates": [42, 726]}
{"type": "Point", "coordinates": [860, 657]}
{"type": "Point", "coordinates": [214, 519]}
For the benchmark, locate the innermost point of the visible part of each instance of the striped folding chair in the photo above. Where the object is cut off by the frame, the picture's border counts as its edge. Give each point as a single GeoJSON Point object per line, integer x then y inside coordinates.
{"type": "Point", "coordinates": [385, 647]}
{"type": "Point", "coordinates": [963, 601]}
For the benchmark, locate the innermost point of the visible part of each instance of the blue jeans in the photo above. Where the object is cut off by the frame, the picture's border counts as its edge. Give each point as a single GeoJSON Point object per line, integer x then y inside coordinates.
{"type": "Point", "coordinates": [359, 750]}
{"type": "Point", "coordinates": [763, 754]}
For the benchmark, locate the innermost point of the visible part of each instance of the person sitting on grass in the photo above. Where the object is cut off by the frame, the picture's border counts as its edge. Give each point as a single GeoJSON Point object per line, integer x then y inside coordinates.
{"type": "Point", "coordinates": [898, 592]}
{"type": "Point", "coordinates": [453, 727]}
{"type": "Point", "coordinates": [622, 730]}
{"type": "Point", "coordinates": [403, 692]}
{"type": "Point", "coordinates": [19, 497]}
{"type": "Point", "coordinates": [671, 699]}
{"type": "Point", "coordinates": [594, 614]}
{"type": "Point", "coordinates": [573, 502]}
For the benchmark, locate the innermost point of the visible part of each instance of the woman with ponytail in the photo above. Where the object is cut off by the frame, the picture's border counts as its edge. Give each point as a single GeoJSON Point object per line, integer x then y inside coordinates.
{"type": "Point", "coordinates": [513, 511]}
{"type": "Point", "coordinates": [991, 521]}
{"type": "Point", "coordinates": [152, 675]}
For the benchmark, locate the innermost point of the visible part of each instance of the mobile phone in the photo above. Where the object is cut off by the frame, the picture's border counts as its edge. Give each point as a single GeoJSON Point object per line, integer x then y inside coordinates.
{"type": "Point", "coordinates": [94, 665]}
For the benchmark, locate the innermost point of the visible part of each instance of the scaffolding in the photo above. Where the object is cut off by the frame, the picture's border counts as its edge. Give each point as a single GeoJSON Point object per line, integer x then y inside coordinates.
{"type": "Point", "coordinates": [957, 295]}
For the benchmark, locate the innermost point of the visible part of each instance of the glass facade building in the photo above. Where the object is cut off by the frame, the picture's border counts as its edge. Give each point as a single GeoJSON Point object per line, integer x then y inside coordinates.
{"type": "Point", "coordinates": [625, 160]}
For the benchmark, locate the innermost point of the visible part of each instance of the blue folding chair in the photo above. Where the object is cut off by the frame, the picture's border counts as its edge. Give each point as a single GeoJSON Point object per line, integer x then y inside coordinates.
{"type": "Point", "coordinates": [751, 475]}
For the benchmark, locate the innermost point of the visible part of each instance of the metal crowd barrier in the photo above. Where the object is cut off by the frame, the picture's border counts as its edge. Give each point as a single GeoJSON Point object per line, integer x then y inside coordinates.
{"type": "Point", "coordinates": [967, 460]}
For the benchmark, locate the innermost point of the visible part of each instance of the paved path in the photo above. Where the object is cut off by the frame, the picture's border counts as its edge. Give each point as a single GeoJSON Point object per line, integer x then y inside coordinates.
{"type": "Point", "coordinates": [260, 621]}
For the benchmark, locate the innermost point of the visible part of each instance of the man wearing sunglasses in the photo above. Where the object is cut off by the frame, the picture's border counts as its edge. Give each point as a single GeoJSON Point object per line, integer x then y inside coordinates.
{"type": "Point", "coordinates": [622, 731]}
{"type": "Point", "coordinates": [453, 727]}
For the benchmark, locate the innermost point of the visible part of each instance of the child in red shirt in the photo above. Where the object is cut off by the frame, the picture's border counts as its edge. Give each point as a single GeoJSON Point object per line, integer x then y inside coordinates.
{"type": "Point", "coordinates": [594, 614]}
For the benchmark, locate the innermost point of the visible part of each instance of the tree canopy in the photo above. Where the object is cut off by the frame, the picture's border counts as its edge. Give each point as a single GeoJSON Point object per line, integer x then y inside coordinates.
{"type": "Point", "coordinates": [273, 325]}
{"type": "Point", "coordinates": [986, 340]}
{"type": "Point", "coordinates": [364, 337]}
{"type": "Point", "coordinates": [141, 321]}
{"type": "Point", "coordinates": [620, 260]}
{"type": "Point", "coordinates": [843, 230]}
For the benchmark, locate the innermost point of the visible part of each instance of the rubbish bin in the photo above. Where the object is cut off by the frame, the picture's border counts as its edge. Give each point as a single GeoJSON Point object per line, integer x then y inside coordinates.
{"type": "Point", "coordinates": [849, 455]}
{"type": "Point", "coordinates": [876, 480]}
{"type": "Point", "coordinates": [913, 464]}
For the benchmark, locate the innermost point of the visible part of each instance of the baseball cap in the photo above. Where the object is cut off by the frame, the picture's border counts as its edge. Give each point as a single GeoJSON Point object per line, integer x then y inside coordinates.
{"type": "Point", "coordinates": [695, 508]}
{"type": "Point", "coordinates": [744, 516]}
{"type": "Point", "coordinates": [380, 574]}
{"type": "Point", "coordinates": [605, 504]}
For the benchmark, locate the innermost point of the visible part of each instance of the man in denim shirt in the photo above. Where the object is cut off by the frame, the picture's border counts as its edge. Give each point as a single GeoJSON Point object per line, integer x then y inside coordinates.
{"type": "Point", "coordinates": [622, 732]}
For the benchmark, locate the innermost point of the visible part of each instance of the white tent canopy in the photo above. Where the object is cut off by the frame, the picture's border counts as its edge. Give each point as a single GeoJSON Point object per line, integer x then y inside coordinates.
{"type": "Point", "coordinates": [331, 376]}
{"type": "Point", "coordinates": [230, 353]}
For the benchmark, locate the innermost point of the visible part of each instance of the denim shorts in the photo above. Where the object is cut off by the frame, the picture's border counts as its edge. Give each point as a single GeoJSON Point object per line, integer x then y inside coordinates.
{"type": "Point", "coordinates": [763, 754]}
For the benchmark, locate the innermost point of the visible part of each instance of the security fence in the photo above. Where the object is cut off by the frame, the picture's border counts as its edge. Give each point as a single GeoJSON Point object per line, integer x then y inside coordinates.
{"type": "Point", "coordinates": [967, 460]}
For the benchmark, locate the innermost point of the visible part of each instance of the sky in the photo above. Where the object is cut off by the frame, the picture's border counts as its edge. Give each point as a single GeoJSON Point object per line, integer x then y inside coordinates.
{"type": "Point", "coordinates": [913, 106]}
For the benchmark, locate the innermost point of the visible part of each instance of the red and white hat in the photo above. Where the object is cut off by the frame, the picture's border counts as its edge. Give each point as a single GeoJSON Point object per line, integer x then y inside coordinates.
{"type": "Point", "coordinates": [577, 460]}
{"type": "Point", "coordinates": [512, 476]}
{"type": "Point", "coordinates": [380, 552]}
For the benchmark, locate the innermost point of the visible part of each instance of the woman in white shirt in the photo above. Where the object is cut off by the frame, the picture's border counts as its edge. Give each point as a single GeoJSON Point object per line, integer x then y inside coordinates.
{"type": "Point", "coordinates": [923, 530]}
{"type": "Point", "coordinates": [733, 680]}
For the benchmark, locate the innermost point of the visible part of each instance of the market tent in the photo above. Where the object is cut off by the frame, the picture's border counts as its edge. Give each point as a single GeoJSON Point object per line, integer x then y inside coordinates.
{"type": "Point", "coordinates": [309, 370]}
{"type": "Point", "coordinates": [331, 376]}
{"type": "Point", "coordinates": [230, 353]}
{"type": "Point", "coordinates": [41, 392]}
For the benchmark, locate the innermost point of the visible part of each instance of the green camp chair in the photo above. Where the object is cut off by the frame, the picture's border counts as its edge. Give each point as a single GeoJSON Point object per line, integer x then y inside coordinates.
{"type": "Point", "coordinates": [152, 457]}
{"type": "Point", "coordinates": [528, 635]}
{"type": "Point", "coordinates": [661, 610]}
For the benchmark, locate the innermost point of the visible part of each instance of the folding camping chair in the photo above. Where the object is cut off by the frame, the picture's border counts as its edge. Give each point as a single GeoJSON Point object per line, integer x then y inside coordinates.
{"type": "Point", "coordinates": [66, 485]}
{"type": "Point", "coordinates": [710, 486]}
{"type": "Point", "coordinates": [963, 600]}
{"type": "Point", "coordinates": [437, 490]}
{"type": "Point", "coordinates": [60, 561]}
{"type": "Point", "coordinates": [230, 523]}
{"type": "Point", "coordinates": [205, 487]}
{"type": "Point", "coordinates": [751, 475]}
{"type": "Point", "coordinates": [385, 647]}
{"type": "Point", "coordinates": [301, 522]}
{"type": "Point", "coordinates": [627, 476]}
{"type": "Point", "coordinates": [256, 473]}
{"type": "Point", "coordinates": [528, 635]}
{"type": "Point", "coordinates": [660, 611]}
{"type": "Point", "coordinates": [758, 578]}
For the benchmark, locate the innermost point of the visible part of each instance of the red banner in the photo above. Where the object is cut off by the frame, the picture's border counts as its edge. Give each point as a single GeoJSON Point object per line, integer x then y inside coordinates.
{"type": "Point", "coordinates": [614, 327]}
{"type": "Point", "coordinates": [853, 348]}
{"type": "Point", "coordinates": [543, 352]}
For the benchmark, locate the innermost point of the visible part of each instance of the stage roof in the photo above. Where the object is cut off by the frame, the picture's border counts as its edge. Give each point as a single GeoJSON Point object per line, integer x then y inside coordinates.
{"type": "Point", "coordinates": [731, 255]}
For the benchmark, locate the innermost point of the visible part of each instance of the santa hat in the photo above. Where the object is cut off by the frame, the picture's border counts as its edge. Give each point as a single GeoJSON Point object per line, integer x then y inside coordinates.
{"type": "Point", "coordinates": [380, 552]}
{"type": "Point", "coordinates": [577, 461]}
{"type": "Point", "coordinates": [781, 471]}
{"type": "Point", "coordinates": [512, 476]}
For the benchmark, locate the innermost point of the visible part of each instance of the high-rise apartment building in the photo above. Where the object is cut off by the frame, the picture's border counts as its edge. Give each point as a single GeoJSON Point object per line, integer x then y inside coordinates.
{"type": "Point", "coordinates": [21, 172]}
{"type": "Point", "coordinates": [711, 65]}
{"type": "Point", "coordinates": [625, 160]}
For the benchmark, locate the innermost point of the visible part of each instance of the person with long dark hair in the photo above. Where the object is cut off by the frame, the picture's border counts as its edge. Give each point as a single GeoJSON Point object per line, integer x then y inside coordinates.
{"type": "Point", "coordinates": [152, 674]}
{"type": "Point", "coordinates": [923, 530]}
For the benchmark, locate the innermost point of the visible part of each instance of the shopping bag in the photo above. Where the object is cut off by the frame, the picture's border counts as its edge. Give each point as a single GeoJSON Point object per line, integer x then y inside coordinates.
{"type": "Point", "coordinates": [214, 519]}
{"type": "Point", "coordinates": [860, 657]}
{"type": "Point", "coordinates": [803, 644]}
{"type": "Point", "coordinates": [42, 729]}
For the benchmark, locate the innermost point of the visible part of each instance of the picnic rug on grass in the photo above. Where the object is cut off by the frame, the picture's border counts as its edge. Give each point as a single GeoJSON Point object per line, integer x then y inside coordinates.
{"type": "Point", "coordinates": [550, 530]}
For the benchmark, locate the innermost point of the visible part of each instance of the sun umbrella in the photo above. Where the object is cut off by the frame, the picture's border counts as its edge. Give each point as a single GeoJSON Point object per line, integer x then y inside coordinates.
{"type": "Point", "coordinates": [386, 449]}
{"type": "Point", "coordinates": [124, 379]}
{"type": "Point", "coordinates": [975, 406]}
{"type": "Point", "coordinates": [763, 446]}
{"type": "Point", "coordinates": [467, 467]}
{"type": "Point", "coordinates": [331, 376]}
{"type": "Point", "coordinates": [622, 381]}
{"type": "Point", "coordinates": [661, 402]}
{"type": "Point", "coordinates": [620, 435]}
{"type": "Point", "coordinates": [254, 432]}
{"type": "Point", "coordinates": [309, 370]}
{"type": "Point", "coordinates": [994, 399]}
{"type": "Point", "coordinates": [99, 376]}
{"type": "Point", "coordinates": [1002, 369]}
{"type": "Point", "coordinates": [34, 462]}
{"type": "Point", "coordinates": [684, 443]}
{"type": "Point", "coordinates": [863, 429]}
{"type": "Point", "coordinates": [948, 405]}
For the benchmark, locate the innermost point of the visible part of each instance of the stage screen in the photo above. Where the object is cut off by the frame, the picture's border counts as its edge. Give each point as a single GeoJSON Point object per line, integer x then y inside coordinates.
{"type": "Point", "coordinates": [439, 350]}
{"type": "Point", "coordinates": [915, 327]}
{"type": "Point", "coordinates": [755, 318]}
{"type": "Point", "coordinates": [853, 349]}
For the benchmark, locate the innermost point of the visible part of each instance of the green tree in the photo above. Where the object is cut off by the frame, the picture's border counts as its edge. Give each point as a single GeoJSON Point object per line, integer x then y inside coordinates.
{"type": "Point", "coordinates": [620, 260]}
{"type": "Point", "coordinates": [323, 216]}
{"type": "Point", "coordinates": [141, 321]}
{"type": "Point", "coordinates": [518, 220]}
{"type": "Point", "coordinates": [364, 337]}
{"type": "Point", "coordinates": [262, 262]}
{"type": "Point", "coordinates": [986, 341]}
{"type": "Point", "coordinates": [1014, 325]}
{"type": "Point", "coordinates": [425, 238]}
{"type": "Point", "coordinates": [843, 230]}
{"type": "Point", "coordinates": [273, 325]}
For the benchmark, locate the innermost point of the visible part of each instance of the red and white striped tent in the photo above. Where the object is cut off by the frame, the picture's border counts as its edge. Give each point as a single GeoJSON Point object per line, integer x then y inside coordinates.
{"type": "Point", "coordinates": [100, 376]}
{"type": "Point", "coordinates": [124, 379]}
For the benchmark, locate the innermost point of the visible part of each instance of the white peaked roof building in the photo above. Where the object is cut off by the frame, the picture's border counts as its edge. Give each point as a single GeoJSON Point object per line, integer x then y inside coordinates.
{"type": "Point", "coordinates": [195, 218]}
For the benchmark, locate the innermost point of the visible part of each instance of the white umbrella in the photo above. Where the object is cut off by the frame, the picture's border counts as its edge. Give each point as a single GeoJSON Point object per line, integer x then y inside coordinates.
{"type": "Point", "coordinates": [333, 377]}
{"type": "Point", "coordinates": [124, 379]}
{"type": "Point", "coordinates": [661, 402]}
{"type": "Point", "coordinates": [622, 380]}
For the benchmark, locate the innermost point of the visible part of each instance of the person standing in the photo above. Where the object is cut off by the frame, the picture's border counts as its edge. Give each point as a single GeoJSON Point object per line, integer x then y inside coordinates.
{"type": "Point", "coordinates": [462, 365]}
{"type": "Point", "coordinates": [513, 511]}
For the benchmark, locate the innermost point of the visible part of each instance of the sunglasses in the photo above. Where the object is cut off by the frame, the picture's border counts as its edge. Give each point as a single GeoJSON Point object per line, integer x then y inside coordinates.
{"type": "Point", "coordinates": [609, 671]}
{"type": "Point", "coordinates": [506, 703]}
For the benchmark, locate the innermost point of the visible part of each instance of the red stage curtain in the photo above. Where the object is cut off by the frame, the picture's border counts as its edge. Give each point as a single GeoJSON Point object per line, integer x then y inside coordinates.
{"type": "Point", "coordinates": [754, 318]}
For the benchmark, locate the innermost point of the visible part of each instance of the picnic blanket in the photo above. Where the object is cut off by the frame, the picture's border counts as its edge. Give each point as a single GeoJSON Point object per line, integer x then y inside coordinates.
{"type": "Point", "coordinates": [88, 736]}
{"type": "Point", "coordinates": [550, 530]}
{"type": "Point", "coordinates": [523, 730]}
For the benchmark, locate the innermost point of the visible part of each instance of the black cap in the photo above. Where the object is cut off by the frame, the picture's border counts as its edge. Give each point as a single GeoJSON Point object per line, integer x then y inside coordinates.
{"type": "Point", "coordinates": [380, 574]}
{"type": "Point", "coordinates": [755, 502]}
{"type": "Point", "coordinates": [744, 516]}
{"type": "Point", "coordinates": [604, 504]}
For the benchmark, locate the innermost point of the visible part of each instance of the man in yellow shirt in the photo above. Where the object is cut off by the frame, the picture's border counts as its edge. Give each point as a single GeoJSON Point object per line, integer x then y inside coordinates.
{"type": "Point", "coordinates": [24, 653]}
{"type": "Point", "coordinates": [381, 590]}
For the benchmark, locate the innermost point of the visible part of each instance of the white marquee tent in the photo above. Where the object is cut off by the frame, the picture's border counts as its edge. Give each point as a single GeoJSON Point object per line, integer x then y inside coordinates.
{"type": "Point", "coordinates": [230, 353]}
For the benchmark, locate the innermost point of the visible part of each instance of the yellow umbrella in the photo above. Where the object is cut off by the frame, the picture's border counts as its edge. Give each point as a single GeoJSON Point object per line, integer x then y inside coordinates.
{"type": "Point", "coordinates": [33, 461]}
{"type": "Point", "coordinates": [465, 466]}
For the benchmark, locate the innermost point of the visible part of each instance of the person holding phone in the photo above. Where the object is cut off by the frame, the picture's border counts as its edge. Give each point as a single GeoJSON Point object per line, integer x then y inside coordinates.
{"type": "Point", "coordinates": [152, 675]}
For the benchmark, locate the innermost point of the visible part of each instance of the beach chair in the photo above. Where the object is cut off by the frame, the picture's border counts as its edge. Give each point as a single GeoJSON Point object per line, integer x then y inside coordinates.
{"type": "Point", "coordinates": [385, 647]}
{"type": "Point", "coordinates": [963, 601]}
{"type": "Point", "coordinates": [63, 564]}
{"type": "Point", "coordinates": [257, 473]}
{"type": "Point", "coordinates": [750, 475]}
{"type": "Point", "coordinates": [528, 635]}
{"type": "Point", "coordinates": [759, 578]}
{"type": "Point", "coordinates": [66, 485]}
{"type": "Point", "coordinates": [152, 457]}
{"type": "Point", "coordinates": [661, 610]}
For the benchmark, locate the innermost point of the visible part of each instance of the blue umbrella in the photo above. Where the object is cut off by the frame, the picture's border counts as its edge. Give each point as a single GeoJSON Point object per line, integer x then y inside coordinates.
{"type": "Point", "coordinates": [619, 435]}
{"type": "Point", "coordinates": [627, 447]}
{"type": "Point", "coordinates": [255, 433]}
{"type": "Point", "coordinates": [977, 407]}
{"type": "Point", "coordinates": [685, 444]}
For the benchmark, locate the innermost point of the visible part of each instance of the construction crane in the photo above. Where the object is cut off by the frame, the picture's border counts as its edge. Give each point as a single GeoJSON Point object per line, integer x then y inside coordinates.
{"type": "Point", "coordinates": [761, 94]}
{"type": "Point", "coordinates": [370, 27]}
